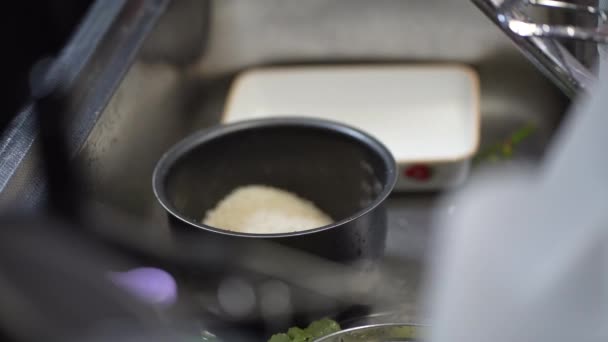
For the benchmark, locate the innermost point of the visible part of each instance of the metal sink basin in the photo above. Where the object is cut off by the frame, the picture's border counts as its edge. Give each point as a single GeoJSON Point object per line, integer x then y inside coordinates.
{"type": "Point", "coordinates": [163, 99]}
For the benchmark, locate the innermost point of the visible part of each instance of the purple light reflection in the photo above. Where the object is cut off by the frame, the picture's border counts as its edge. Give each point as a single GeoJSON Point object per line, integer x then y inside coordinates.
{"type": "Point", "coordinates": [151, 285]}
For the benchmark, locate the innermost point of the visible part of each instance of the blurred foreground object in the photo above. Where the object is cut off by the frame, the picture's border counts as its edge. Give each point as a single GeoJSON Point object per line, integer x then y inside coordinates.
{"type": "Point", "coordinates": [53, 288]}
{"type": "Point", "coordinates": [525, 256]}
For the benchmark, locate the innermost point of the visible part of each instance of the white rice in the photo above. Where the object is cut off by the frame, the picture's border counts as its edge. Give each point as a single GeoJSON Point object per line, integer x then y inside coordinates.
{"type": "Point", "coordinates": [265, 210]}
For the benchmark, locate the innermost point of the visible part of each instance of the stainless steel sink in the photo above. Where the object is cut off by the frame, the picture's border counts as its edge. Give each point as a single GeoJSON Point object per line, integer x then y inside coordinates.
{"type": "Point", "coordinates": [163, 99]}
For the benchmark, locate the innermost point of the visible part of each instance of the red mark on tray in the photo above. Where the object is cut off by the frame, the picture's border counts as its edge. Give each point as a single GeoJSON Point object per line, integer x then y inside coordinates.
{"type": "Point", "coordinates": [419, 172]}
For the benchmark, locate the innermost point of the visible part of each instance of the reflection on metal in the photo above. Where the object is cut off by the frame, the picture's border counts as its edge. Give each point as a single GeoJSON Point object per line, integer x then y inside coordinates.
{"type": "Point", "coordinates": [536, 39]}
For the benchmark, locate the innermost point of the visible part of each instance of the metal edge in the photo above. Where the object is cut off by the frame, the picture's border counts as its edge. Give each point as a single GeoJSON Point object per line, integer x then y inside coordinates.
{"type": "Point", "coordinates": [530, 49]}
{"type": "Point", "coordinates": [89, 69]}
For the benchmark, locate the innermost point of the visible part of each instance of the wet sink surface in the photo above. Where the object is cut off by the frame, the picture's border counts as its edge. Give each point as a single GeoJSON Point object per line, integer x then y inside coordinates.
{"type": "Point", "coordinates": [157, 103]}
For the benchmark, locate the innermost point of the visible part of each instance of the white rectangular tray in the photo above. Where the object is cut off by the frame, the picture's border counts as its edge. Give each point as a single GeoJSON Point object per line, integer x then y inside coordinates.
{"type": "Point", "coordinates": [427, 115]}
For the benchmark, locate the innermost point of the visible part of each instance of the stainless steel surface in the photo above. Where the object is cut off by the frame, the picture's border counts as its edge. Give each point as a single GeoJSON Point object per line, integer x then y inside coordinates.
{"type": "Point", "coordinates": [526, 28]}
{"type": "Point", "coordinates": [181, 33]}
{"type": "Point", "coordinates": [90, 66]}
{"type": "Point", "coordinates": [571, 6]}
{"type": "Point", "coordinates": [378, 317]}
{"type": "Point", "coordinates": [159, 103]}
{"type": "Point", "coordinates": [536, 40]}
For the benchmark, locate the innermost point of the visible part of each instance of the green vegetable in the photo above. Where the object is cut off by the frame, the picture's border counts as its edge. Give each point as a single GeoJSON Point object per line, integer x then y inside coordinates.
{"type": "Point", "coordinates": [505, 149]}
{"type": "Point", "coordinates": [297, 335]}
{"type": "Point", "coordinates": [322, 328]}
{"type": "Point", "coordinates": [314, 331]}
{"type": "Point", "coordinates": [280, 338]}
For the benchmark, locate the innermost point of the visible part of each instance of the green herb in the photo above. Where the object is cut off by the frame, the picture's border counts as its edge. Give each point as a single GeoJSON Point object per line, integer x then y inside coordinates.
{"type": "Point", "coordinates": [506, 148]}
{"type": "Point", "coordinates": [314, 331]}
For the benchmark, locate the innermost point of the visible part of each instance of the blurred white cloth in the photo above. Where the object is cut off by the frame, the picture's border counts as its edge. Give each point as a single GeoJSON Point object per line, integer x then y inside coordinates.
{"type": "Point", "coordinates": [525, 258]}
